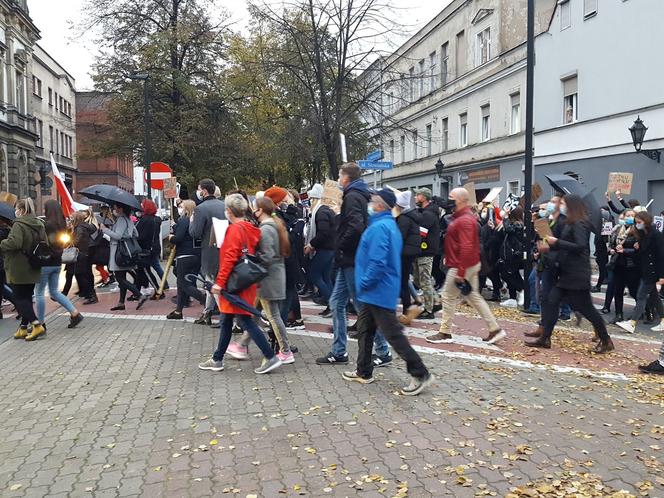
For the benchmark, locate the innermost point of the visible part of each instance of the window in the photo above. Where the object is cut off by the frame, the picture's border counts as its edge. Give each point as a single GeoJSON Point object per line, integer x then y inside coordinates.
{"type": "Point", "coordinates": [20, 92]}
{"type": "Point", "coordinates": [392, 158]}
{"type": "Point", "coordinates": [51, 143]}
{"type": "Point", "coordinates": [429, 139]}
{"type": "Point", "coordinates": [422, 78]}
{"type": "Point", "coordinates": [36, 86]}
{"type": "Point", "coordinates": [411, 85]}
{"type": "Point", "coordinates": [570, 100]}
{"type": "Point", "coordinates": [565, 15]}
{"type": "Point", "coordinates": [483, 47]}
{"type": "Point", "coordinates": [63, 145]}
{"type": "Point", "coordinates": [390, 103]}
{"type": "Point", "coordinates": [515, 105]}
{"type": "Point", "coordinates": [460, 53]}
{"type": "Point", "coordinates": [486, 123]}
{"type": "Point", "coordinates": [415, 139]}
{"type": "Point", "coordinates": [56, 101]}
{"type": "Point", "coordinates": [403, 148]}
{"type": "Point", "coordinates": [40, 132]}
{"type": "Point", "coordinates": [69, 109]}
{"type": "Point", "coordinates": [432, 71]}
{"type": "Point", "coordinates": [50, 97]}
{"type": "Point", "coordinates": [463, 129]}
{"type": "Point", "coordinates": [445, 134]}
{"type": "Point", "coordinates": [589, 8]}
{"type": "Point", "coordinates": [514, 187]}
{"type": "Point", "coordinates": [444, 60]}
{"type": "Point", "coordinates": [71, 147]}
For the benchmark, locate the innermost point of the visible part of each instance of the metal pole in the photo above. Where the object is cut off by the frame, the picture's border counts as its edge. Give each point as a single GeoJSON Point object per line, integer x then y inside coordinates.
{"type": "Point", "coordinates": [528, 174]}
{"type": "Point", "coordinates": [148, 139]}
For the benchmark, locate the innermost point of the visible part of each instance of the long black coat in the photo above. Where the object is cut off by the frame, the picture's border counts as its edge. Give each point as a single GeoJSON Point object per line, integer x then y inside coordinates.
{"type": "Point", "coordinates": [352, 222]}
{"type": "Point", "coordinates": [572, 256]}
{"type": "Point", "coordinates": [651, 256]}
{"type": "Point", "coordinates": [325, 225]}
{"type": "Point", "coordinates": [409, 226]}
{"type": "Point", "coordinates": [429, 219]}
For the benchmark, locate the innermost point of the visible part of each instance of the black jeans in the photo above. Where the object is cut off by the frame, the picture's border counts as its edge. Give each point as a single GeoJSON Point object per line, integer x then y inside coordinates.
{"type": "Point", "coordinates": [496, 282]}
{"type": "Point", "coordinates": [69, 278]}
{"type": "Point", "coordinates": [406, 269]}
{"type": "Point", "coordinates": [84, 277]}
{"type": "Point", "coordinates": [437, 271]}
{"type": "Point", "coordinates": [370, 319]}
{"type": "Point", "coordinates": [647, 295]}
{"type": "Point", "coordinates": [509, 271]}
{"type": "Point", "coordinates": [624, 278]}
{"type": "Point", "coordinates": [23, 302]}
{"type": "Point", "coordinates": [581, 301]}
{"type": "Point", "coordinates": [125, 285]}
{"type": "Point", "coordinates": [186, 266]}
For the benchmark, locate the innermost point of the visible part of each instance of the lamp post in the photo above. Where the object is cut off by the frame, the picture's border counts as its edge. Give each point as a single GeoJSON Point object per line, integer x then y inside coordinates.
{"type": "Point", "coordinates": [528, 173]}
{"type": "Point", "coordinates": [145, 78]}
{"type": "Point", "coordinates": [638, 131]}
{"type": "Point", "coordinates": [439, 173]}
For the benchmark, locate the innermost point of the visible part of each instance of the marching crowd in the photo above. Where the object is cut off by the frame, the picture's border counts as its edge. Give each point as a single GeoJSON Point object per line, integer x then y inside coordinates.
{"type": "Point", "coordinates": [381, 254]}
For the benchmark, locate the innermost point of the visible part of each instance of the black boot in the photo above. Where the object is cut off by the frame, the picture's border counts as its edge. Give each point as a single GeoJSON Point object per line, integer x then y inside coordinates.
{"type": "Point", "coordinates": [618, 318]}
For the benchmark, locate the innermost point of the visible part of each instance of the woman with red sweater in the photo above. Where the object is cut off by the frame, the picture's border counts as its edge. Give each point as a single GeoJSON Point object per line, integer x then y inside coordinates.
{"type": "Point", "coordinates": [240, 234]}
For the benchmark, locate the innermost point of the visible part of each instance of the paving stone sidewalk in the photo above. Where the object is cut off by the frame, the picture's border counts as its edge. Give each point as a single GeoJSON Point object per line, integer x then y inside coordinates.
{"type": "Point", "coordinates": [118, 408]}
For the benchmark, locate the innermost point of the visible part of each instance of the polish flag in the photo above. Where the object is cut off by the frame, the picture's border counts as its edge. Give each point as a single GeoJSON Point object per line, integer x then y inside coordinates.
{"type": "Point", "coordinates": [69, 207]}
{"type": "Point", "coordinates": [424, 232]}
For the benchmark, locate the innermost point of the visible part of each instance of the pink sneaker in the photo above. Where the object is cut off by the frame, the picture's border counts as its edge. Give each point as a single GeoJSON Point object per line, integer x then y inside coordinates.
{"type": "Point", "coordinates": [286, 358]}
{"type": "Point", "coordinates": [237, 351]}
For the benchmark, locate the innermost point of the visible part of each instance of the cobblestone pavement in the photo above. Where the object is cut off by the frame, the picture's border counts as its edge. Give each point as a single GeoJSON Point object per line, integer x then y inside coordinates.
{"type": "Point", "coordinates": [117, 407]}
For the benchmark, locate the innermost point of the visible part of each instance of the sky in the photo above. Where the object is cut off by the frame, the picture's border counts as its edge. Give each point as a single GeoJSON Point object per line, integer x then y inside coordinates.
{"type": "Point", "coordinates": [56, 21]}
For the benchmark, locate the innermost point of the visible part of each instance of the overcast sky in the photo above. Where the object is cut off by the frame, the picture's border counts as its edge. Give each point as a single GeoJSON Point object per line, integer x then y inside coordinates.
{"type": "Point", "coordinates": [55, 18]}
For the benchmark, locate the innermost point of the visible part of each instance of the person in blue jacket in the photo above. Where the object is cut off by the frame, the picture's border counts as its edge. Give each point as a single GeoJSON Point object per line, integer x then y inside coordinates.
{"type": "Point", "coordinates": [377, 285]}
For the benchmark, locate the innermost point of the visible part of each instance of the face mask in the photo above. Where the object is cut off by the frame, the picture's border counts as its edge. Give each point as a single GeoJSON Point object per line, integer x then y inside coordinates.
{"type": "Point", "coordinates": [418, 204]}
{"type": "Point", "coordinates": [180, 211]}
{"type": "Point", "coordinates": [563, 210]}
{"type": "Point", "coordinates": [139, 214]}
{"type": "Point", "coordinates": [18, 213]}
{"type": "Point", "coordinates": [640, 226]}
{"type": "Point", "coordinates": [199, 195]}
{"type": "Point", "coordinates": [621, 222]}
{"type": "Point", "coordinates": [371, 210]}
{"type": "Point", "coordinates": [543, 213]}
{"type": "Point", "coordinates": [550, 208]}
{"type": "Point", "coordinates": [485, 215]}
{"type": "Point", "coordinates": [629, 220]}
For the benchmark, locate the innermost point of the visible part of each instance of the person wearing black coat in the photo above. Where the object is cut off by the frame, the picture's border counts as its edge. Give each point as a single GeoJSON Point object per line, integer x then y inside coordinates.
{"type": "Point", "coordinates": [187, 259]}
{"type": "Point", "coordinates": [511, 256]}
{"type": "Point", "coordinates": [430, 233]}
{"type": "Point", "coordinates": [570, 256]}
{"type": "Point", "coordinates": [650, 252]}
{"type": "Point", "coordinates": [408, 221]}
{"type": "Point", "coordinates": [149, 233]}
{"type": "Point", "coordinates": [320, 245]}
{"type": "Point", "coordinates": [82, 235]}
{"type": "Point", "coordinates": [623, 265]}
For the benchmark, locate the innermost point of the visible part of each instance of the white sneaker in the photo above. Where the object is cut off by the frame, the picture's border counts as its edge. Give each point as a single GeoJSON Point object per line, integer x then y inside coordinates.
{"type": "Point", "coordinates": [627, 325]}
{"type": "Point", "coordinates": [520, 298]}
{"type": "Point", "coordinates": [658, 328]}
{"type": "Point", "coordinates": [510, 303]}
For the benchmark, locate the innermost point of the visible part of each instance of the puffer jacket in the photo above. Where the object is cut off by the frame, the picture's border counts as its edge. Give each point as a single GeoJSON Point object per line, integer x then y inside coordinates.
{"type": "Point", "coordinates": [409, 226]}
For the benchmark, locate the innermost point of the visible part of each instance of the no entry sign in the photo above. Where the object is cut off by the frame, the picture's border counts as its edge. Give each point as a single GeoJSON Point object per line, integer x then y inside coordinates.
{"type": "Point", "coordinates": [158, 172]}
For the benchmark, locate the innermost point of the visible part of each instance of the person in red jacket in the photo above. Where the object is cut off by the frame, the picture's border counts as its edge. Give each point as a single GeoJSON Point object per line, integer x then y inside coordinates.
{"type": "Point", "coordinates": [240, 234]}
{"type": "Point", "coordinates": [462, 258]}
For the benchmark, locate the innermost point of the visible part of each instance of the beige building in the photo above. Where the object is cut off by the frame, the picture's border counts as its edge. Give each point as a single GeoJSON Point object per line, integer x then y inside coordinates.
{"type": "Point", "coordinates": [53, 106]}
{"type": "Point", "coordinates": [18, 36]}
{"type": "Point", "coordinates": [455, 92]}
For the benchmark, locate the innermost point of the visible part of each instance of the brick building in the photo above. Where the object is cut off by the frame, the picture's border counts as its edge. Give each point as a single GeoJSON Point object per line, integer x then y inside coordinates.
{"type": "Point", "coordinates": [92, 126]}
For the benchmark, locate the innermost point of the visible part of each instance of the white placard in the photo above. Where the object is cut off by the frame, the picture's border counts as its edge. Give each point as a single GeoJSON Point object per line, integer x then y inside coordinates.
{"type": "Point", "coordinates": [493, 195]}
{"type": "Point", "coordinates": [659, 223]}
{"type": "Point", "coordinates": [219, 227]}
{"type": "Point", "coordinates": [607, 228]}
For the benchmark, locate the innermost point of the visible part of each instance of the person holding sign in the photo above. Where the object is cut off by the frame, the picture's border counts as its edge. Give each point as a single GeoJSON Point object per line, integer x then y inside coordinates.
{"type": "Point", "coordinates": [570, 258]}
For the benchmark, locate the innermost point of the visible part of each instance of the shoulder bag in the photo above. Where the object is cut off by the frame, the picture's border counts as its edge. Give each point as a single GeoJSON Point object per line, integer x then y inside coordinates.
{"type": "Point", "coordinates": [246, 272]}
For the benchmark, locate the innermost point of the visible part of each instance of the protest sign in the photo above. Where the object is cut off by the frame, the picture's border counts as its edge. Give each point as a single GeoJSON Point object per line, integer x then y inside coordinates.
{"type": "Point", "coordinates": [543, 228]}
{"type": "Point", "coordinates": [620, 181]}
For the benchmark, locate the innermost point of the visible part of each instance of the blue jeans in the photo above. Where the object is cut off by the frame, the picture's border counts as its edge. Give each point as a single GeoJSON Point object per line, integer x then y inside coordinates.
{"type": "Point", "coordinates": [50, 276]}
{"type": "Point", "coordinates": [546, 285]}
{"type": "Point", "coordinates": [344, 290]}
{"type": "Point", "coordinates": [155, 264]}
{"type": "Point", "coordinates": [533, 278]}
{"type": "Point", "coordinates": [320, 273]}
{"type": "Point", "coordinates": [246, 323]}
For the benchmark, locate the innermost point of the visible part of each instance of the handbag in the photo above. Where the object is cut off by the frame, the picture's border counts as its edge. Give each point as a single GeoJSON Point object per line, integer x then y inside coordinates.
{"type": "Point", "coordinates": [69, 255]}
{"type": "Point", "coordinates": [128, 252]}
{"type": "Point", "coordinates": [246, 272]}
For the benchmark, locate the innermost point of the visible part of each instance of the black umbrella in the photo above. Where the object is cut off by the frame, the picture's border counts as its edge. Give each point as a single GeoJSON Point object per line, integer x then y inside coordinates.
{"type": "Point", "coordinates": [568, 185]}
{"type": "Point", "coordinates": [234, 299]}
{"type": "Point", "coordinates": [7, 211]}
{"type": "Point", "coordinates": [110, 195]}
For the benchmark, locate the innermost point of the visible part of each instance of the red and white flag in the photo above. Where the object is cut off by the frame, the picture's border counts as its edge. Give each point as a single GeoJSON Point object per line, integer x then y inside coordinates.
{"type": "Point", "coordinates": [424, 232]}
{"type": "Point", "coordinates": [69, 207]}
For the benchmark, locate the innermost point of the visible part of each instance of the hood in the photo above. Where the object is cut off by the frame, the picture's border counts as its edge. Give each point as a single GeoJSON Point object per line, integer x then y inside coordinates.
{"type": "Point", "coordinates": [359, 185]}
{"type": "Point", "coordinates": [30, 221]}
{"type": "Point", "coordinates": [379, 216]}
{"type": "Point", "coordinates": [411, 213]}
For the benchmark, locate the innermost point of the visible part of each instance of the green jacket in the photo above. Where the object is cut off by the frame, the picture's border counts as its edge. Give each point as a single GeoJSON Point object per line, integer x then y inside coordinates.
{"type": "Point", "coordinates": [24, 235]}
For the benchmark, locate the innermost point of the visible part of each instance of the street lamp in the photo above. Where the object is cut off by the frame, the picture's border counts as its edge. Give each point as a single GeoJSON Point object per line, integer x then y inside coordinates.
{"type": "Point", "coordinates": [638, 131]}
{"type": "Point", "coordinates": [439, 173]}
{"type": "Point", "coordinates": [145, 78]}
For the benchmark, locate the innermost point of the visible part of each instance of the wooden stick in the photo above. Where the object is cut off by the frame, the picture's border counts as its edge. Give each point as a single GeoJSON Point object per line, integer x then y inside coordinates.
{"type": "Point", "coordinates": [169, 265]}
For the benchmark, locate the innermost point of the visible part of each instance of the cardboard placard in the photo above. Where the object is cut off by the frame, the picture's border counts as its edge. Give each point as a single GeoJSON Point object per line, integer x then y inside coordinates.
{"type": "Point", "coordinates": [620, 181]}
{"type": "Point", "coordinates": [658, 221]}
{"type": "Point", "coordinates": [8, 198]}
{"type": "Point", "coordinates": [472, 196]}
{"type": "Point", "coordinates": [170, 188]}
{"type": "Point", "coordinates": [332, 195]}
{"type": "Point", "coordinates": [219, 228]}
{"type": "Point", "coordinates": [607, 228]}
{"type": "Point", "coordinates": [536, 192]}
{"type": "Point", "coordinates": [543, 228]}
{"type": "Point", "coordinates": [492, 195]}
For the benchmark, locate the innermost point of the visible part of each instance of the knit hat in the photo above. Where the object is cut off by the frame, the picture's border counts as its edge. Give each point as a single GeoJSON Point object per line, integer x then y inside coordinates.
{"type": "Point", "coordinates": [404, 198]}
{"type": "Point", "coordinates": [316, 191]}
{"type": "Point", "coordinates": [426, 192]}
{"type": "Point", "coordinates": [388, 196]}
{"type": "Point", "coordinates": [276, 194]}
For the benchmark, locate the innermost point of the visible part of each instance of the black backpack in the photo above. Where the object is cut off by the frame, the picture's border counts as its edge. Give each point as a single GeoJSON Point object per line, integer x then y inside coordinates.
{"type": "Point", "coordinates": [40, 253]}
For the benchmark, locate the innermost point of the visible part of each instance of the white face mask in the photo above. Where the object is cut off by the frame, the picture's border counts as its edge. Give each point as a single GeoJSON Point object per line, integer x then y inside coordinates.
{"type": "Point", "coordinates": [181, 211]}
{"type": "Point", "coordinates": [199, 195]}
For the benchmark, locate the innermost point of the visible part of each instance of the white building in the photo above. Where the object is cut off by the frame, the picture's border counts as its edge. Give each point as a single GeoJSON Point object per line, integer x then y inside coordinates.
{"type": "Point", "coordinates": [53, 107]}
{"type": "Point", "coordinates": [455, 92]}
{"type": "Point", "coordinates": [598, 67]}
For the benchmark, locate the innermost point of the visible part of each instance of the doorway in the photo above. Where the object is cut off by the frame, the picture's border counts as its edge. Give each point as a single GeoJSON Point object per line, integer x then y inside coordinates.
{"type": "Point", "coordinates": [655, 192]}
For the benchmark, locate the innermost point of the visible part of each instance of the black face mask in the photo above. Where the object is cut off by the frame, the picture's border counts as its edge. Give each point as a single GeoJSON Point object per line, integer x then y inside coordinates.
{"type": "Point", "coordinates": [449, 205]}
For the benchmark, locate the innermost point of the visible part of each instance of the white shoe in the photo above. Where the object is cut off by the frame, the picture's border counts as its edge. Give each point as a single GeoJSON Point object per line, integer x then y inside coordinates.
{"type": "Point", "coordinates": [510, 303]}
{"type": "Point", "coordinates": [627, 325]}
{"type": "Point", "coordinates": [658, 328]}
{"type": "Point", "coordinates": [520, 298]}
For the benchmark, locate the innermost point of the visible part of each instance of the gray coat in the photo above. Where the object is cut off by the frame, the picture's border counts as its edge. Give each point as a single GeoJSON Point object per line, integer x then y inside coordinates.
{"type": "Point", "coordinates": [201, 228]}
{"type": "Point", "coordinates": [123, 228]}
{"type": "Point", "coordinates": [272, 287]}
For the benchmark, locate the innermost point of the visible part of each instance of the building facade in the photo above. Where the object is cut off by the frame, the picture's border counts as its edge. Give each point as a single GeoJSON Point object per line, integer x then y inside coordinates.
{"type": "Point", "coordinates": [18, 35]}
{"type": "Point", "coordinates": [587, 95]}
{"type": "Point", "coordinates": [455, 92]}
{"type": "Point", "coordinates": [91, 128]}
{"type": "Point", "coordinates": [53, 107]}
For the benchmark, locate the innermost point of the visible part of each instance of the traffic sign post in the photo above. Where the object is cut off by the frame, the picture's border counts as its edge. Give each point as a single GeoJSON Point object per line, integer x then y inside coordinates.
{"type": "Point", "coordinates": [375, 155]}
{"type": "Point", "coordinates": [157, 174]}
